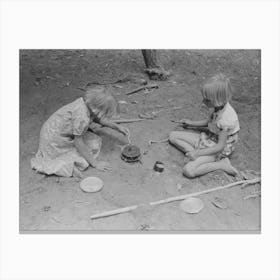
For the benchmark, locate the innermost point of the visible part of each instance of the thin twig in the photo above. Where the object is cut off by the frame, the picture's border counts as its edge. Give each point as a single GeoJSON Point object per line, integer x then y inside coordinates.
{"type": "Point", "coordinates": [151, 86]}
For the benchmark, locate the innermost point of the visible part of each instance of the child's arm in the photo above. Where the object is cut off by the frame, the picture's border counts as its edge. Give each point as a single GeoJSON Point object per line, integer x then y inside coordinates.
{"type": "Point", "coordinates": [115, 126]}
{"type": "Point", "coordinates": [212, 150]}
{"type": "Point", "coordinates": [87, 154]}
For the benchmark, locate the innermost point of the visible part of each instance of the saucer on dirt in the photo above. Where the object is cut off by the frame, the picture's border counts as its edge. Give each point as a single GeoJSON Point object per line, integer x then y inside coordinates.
{"type": "Point", "coordinates": [91, 184]}
{"type": "Point", "coordinates": [192, 205]}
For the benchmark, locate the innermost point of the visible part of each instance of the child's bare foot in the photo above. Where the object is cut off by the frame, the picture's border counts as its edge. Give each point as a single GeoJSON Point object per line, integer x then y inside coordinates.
{"type": "Point", "coordinates": [227, 167]}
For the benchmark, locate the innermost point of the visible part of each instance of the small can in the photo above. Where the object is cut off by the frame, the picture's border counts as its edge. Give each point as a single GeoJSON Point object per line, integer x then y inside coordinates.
{"type": "Point", "coordinates": [159, 166]}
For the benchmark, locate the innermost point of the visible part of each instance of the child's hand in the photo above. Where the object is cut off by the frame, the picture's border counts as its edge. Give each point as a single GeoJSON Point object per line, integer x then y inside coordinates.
{"type": "Point", "coordinates": [103, 166]}
{"type": "Point", "coordinates": [123, 130]}
{"type": "Point", "coordinates": [193, 155]}
{"type": "Point", "coordinates": [186, 122]}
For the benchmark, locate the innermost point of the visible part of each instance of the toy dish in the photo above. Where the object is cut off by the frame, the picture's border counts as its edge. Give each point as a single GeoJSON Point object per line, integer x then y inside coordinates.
{"type": "Point", "coordinates": [192, 205]}
{"type": "Point", "coordinates": [91, 184]}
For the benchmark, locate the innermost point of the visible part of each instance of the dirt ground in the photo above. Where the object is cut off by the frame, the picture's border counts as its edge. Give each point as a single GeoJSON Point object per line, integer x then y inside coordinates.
{"type": "Point", "coordinates": [49, 80]}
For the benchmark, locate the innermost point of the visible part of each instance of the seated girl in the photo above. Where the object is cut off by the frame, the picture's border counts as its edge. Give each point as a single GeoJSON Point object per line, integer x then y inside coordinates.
{"type": "Point", "coordinates": [209, 151]}
{"type": "Point", "coordinates": [66, 146]}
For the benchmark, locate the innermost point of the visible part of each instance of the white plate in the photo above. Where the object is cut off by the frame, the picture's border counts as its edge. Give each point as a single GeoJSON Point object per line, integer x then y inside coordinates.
{"type": "Point", "coordinates": [91, 184]}
{"type": "Point", "coordinates": [192, 205]}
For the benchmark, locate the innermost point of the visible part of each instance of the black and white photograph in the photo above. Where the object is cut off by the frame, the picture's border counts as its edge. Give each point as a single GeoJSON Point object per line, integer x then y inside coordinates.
{"type": "Point", "coordinates": [140, 140]}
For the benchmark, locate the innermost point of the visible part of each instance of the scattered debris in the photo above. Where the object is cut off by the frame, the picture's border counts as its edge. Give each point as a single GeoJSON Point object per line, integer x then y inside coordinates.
{"type": "Point", "coordinates": [50, 78]}
{"type": "Point", "coordinates": [158, 73]}
{"type": "Point", "coordinates": [128, 78]}
{"type": "Point", "coordinates": [177, 108]}
{"type": "Point", "coordinates": [37, 81]}
{"type": "Point", "coordinates": [66, 85]}
{"type": "Point", "coordinates": [148, 116]}
{"type": "Point", "coordinates": [122, 102]}
{"type": "Point", "coordinates": [46, 208]}
{"type": "Point", "coordinates": [148, 86]}
{"type": "Point", "coordinates": [118, 86]}
{"type": "Point", "coordinates": [179, 186]}
{"type": "Point", "coordinates": [159, 166]}
{"type": "Point", "coordinates": [236, 213]}
{"type": "Point", "coordinates": [220, 203]}
{"type": "Point", "coordinates": [145, 152]}
{"type": "Point", "coordinates": [56, 220]}
{"type": "Point", "coordinates": [253, 195]}
{"type": "Point", "coordinates": [192, 205]}
{"type": "Point", "coordinates": [145, 227]}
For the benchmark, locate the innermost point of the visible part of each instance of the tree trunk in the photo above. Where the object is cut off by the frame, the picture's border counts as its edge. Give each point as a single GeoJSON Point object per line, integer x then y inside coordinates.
{"type": "Point", "coordinates": [153, 67]}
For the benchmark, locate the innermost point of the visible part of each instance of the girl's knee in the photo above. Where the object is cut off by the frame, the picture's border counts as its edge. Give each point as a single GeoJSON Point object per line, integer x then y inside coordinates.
{"type": "Point", "coordinates": [172, 136]}
{"type": "Point", "coordinates": [189, 170]}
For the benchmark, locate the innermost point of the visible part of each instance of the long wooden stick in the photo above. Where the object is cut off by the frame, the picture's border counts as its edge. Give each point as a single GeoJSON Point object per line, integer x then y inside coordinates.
{"type": "Point", "coordinates": [128, 120]}
{"type": "Point", "coordinates": [114, 212]}
{"type": "Point", "coordinates": [174, 198]}
{"type": "Point", "coordinates": [148, 86]}
{"type": "Point", "coordinates": [184, 196]}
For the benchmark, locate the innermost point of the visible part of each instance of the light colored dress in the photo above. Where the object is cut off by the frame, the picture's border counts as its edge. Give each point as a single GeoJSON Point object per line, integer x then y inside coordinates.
{"type": "Point", "coordinates": [227, 120]}
{"type": "Point", "coordinates": [57, 153]}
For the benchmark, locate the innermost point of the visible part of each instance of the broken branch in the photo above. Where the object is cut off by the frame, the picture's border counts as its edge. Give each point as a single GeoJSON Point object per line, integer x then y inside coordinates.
{"type": "Point", "coordinates": [149, 86]}
{"type": "Point", "coordinates": [128, 120]}
{"type": "Point", "coordinates": [114, 212]}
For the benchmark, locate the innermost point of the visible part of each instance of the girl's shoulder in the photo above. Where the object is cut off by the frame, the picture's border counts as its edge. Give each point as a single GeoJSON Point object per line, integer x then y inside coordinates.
{"type": "Point", "coordinates": [228, 119]}
{"type": "Point", "coordinates": [228, 113]}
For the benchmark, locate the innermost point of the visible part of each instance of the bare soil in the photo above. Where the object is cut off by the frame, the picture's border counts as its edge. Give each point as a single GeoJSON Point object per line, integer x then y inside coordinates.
{"type": "Point", "coordinates": [49, 79]}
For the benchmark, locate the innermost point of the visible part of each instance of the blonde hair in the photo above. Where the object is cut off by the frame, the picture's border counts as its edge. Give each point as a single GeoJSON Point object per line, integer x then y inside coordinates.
{"type": "Point", "coordinates": [218, 90]}
{"type": "Point", "coordinates": [101, 102]}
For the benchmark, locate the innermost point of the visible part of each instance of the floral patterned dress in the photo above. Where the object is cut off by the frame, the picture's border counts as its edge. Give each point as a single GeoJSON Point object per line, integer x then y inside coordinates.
{"type": "Point", "coordinates": [57, 153]}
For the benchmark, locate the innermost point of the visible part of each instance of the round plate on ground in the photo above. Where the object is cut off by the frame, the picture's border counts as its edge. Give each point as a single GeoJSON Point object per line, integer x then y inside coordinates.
{"type": "Point", "coordinates": [192, 205]}
{"type": "Point", "coordinates": [91, 184]}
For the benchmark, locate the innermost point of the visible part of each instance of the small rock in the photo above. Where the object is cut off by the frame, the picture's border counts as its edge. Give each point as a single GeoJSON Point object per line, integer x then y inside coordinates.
{"type": "Point", "coordinates": [46, 208]}
{"type": "Point", "coordinates": [122, 102]}
{"type": "Point", "coordinates": [179, 186]}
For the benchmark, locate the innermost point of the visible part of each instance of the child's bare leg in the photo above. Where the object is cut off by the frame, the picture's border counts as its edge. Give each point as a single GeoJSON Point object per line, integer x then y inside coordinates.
{"type": "Point", "coordinates": [184, 140]}
{"type": "Point", "coordinates": [206, 164]}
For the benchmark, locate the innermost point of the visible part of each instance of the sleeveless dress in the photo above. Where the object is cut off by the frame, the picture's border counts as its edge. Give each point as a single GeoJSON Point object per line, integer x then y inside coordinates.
{"type": "Point", "coordinates": [57, 153]}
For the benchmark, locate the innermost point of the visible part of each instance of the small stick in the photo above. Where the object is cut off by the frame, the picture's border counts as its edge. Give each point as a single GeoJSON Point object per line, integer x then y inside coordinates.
{"type": "Point", "coordinates": [128, 120]}
{"type": "Point", "coordinates": [158, 141]}
{"type": "Point", "coordinates": [252, 195]}
{"type": "Point", "coordinates": [141, 88]}
{"type": "Point", "coordinates": [114, 212]}
{"type": "Point", "coordinates": [182, 197]}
